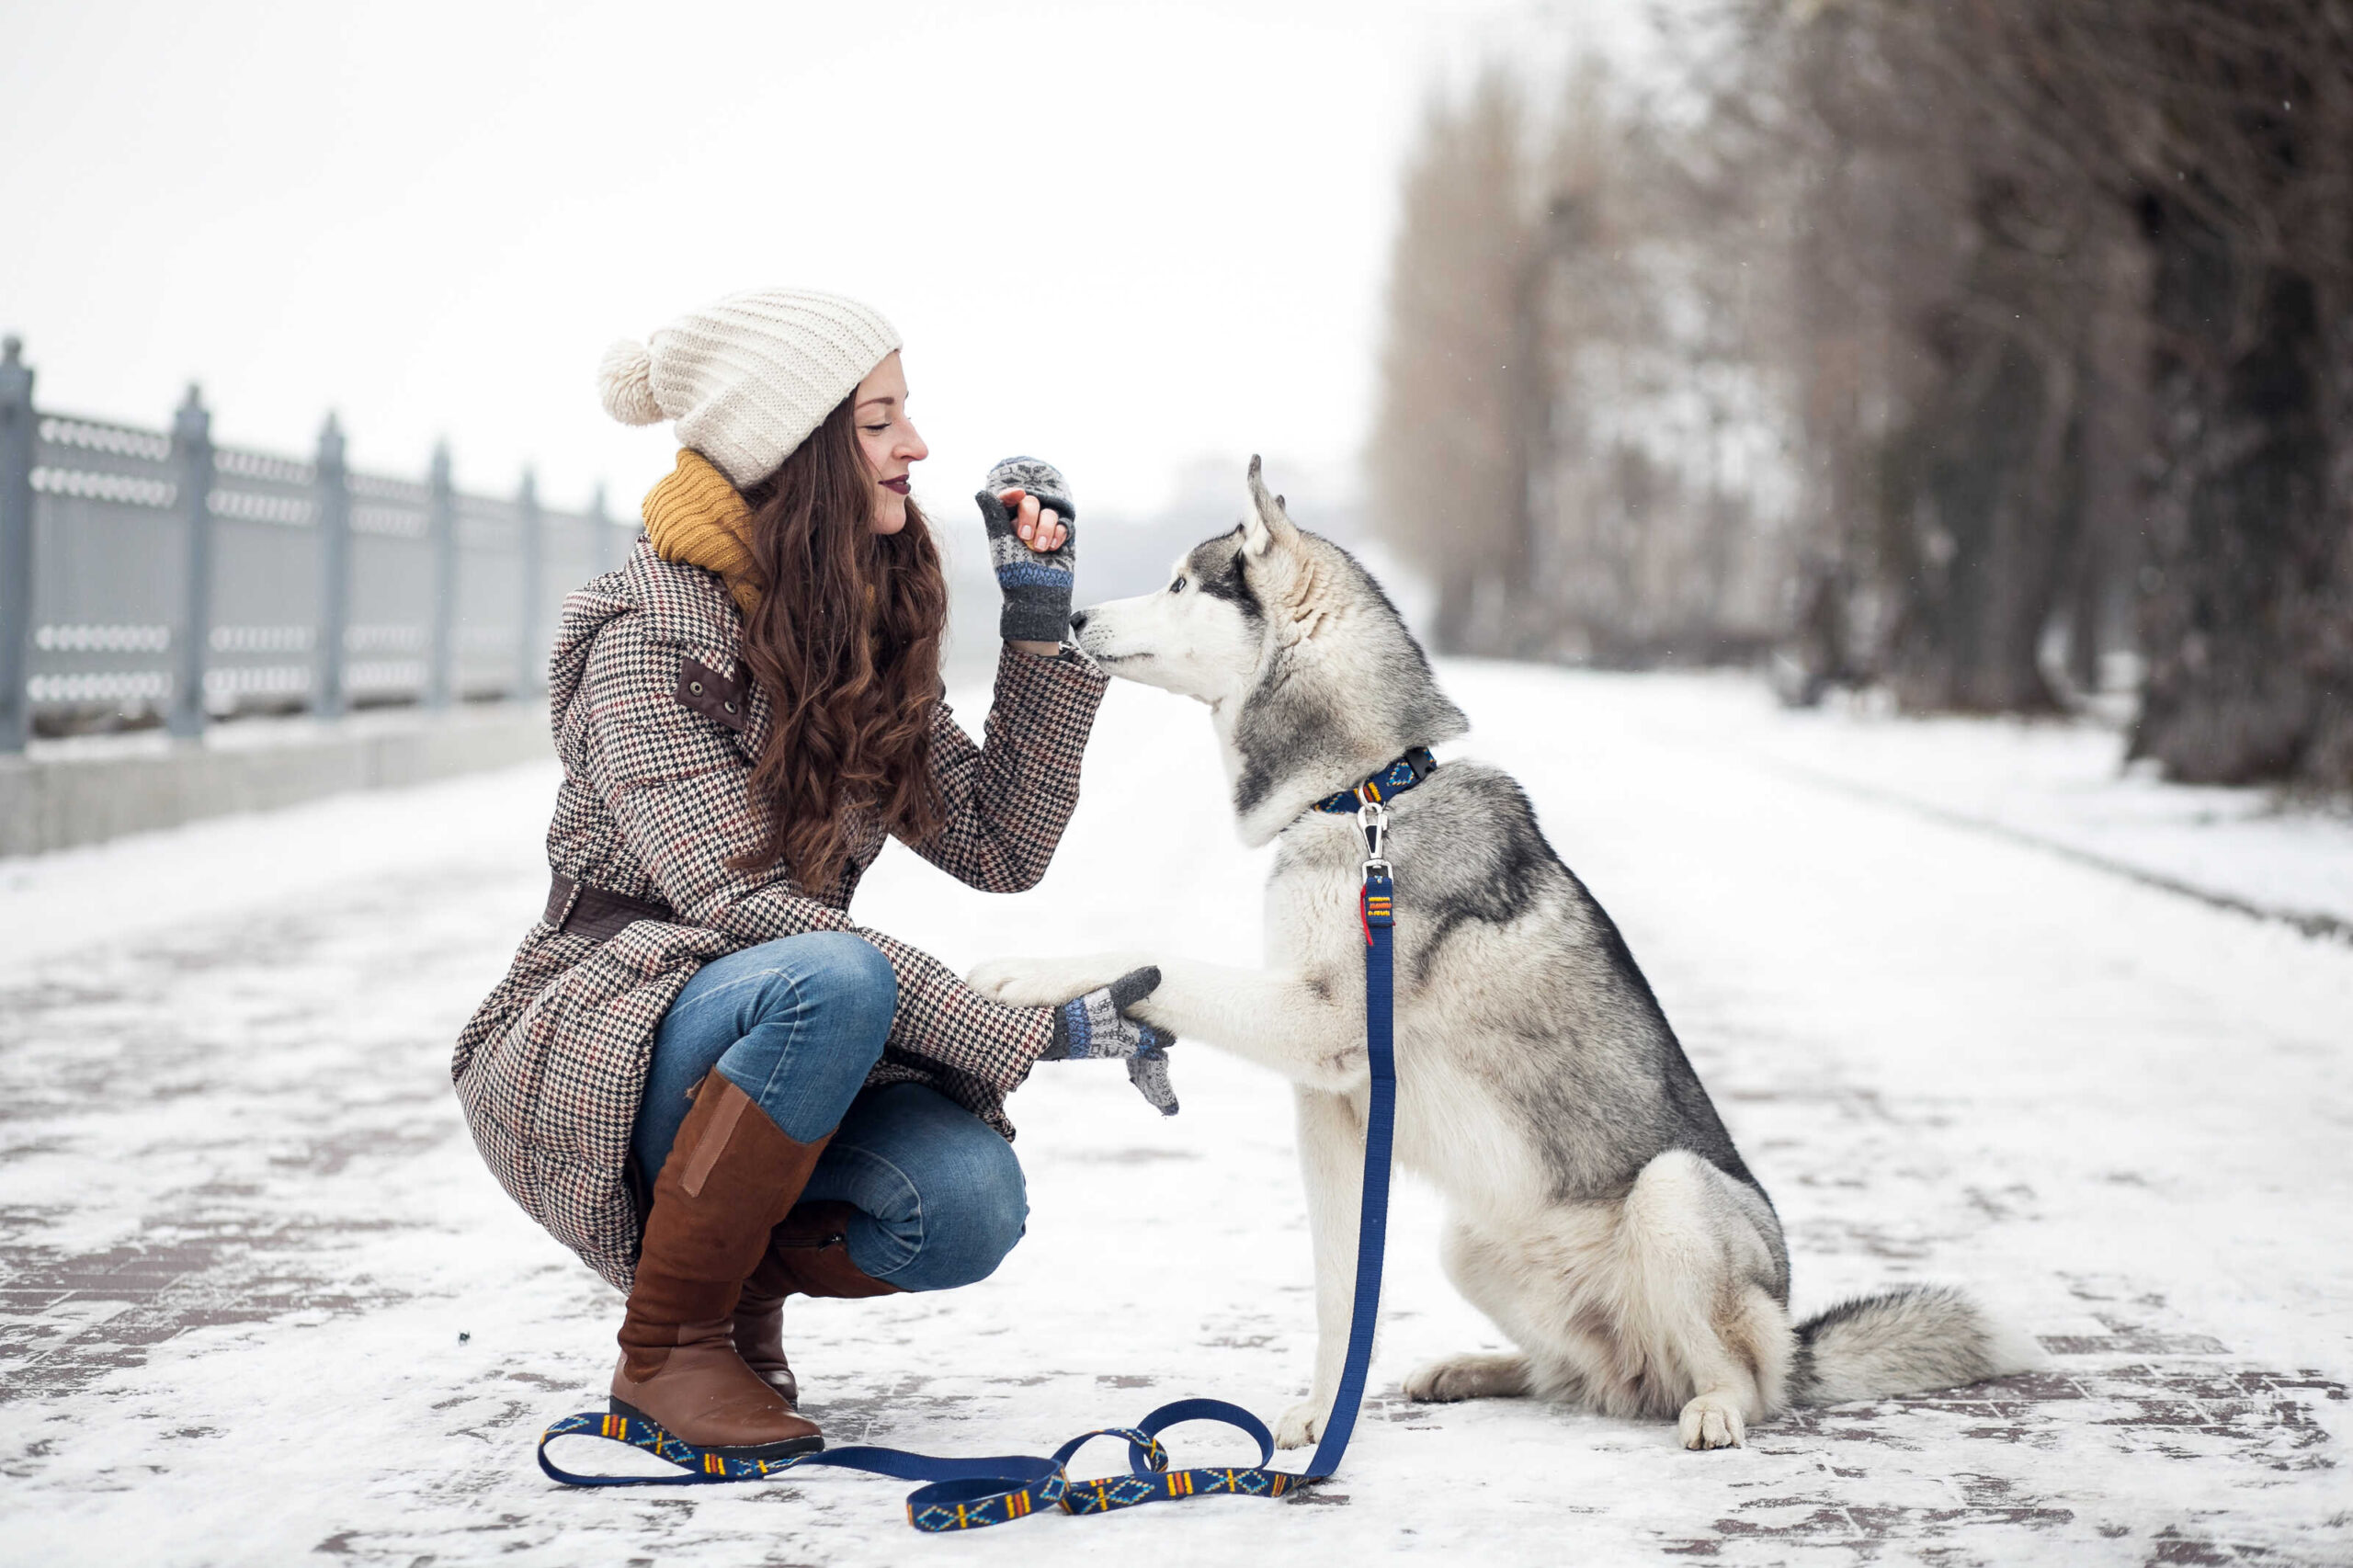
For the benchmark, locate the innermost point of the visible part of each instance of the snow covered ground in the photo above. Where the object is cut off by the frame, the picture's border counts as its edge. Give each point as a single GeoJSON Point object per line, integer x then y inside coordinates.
{"type": "Point", "coordinates": [2061, 784]}
{"type": "Point", "coordinates": [258, 1298]}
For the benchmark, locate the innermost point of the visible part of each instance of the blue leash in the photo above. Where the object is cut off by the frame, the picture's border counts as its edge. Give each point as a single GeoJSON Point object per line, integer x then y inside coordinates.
{"type": "Point", "coordinates": [968, 1493]}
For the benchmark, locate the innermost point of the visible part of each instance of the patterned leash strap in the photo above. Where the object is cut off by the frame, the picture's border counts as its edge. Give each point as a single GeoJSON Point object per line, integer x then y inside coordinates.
{"type": "Point", "coordinates": [963, 1494]}
{"type": "Point", "coordinates": [971, 1493]}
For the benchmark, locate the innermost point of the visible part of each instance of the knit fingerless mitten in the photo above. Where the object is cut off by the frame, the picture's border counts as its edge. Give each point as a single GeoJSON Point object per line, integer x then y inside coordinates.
{"type": "Point", "coordinates": [1148, 1071]}
{"type": "Point", "coordinates": [1096, 1025]}
{"type": "Point", "coordinates": [1037, 587]}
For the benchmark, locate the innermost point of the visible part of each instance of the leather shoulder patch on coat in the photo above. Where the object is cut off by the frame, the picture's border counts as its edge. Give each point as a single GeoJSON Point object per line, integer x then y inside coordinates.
{"type": "Point", "coordinates": [711, 694]}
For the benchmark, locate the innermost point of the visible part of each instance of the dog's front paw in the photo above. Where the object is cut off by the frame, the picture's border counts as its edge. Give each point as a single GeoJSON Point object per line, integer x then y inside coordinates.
{"type": "Point", "coordinates": [1302, 1424]}
{"type": "Point", "coordinates": [1711, 1421]}
{"type": "Point", "coordinates": [1048, 982]}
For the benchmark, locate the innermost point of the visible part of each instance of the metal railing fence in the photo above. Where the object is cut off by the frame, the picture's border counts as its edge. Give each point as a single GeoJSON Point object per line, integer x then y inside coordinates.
{"type": "Point", "coordinates": [154, 573]}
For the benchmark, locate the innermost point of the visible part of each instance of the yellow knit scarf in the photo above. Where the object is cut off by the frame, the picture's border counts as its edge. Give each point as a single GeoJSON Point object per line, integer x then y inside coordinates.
{"type": "Point", "coordinates": [697, 518]}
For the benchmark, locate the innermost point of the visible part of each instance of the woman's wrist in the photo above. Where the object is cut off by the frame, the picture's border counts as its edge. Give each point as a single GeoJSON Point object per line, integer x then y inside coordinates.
{"type": "Point", "coordinates": [1036, 650]}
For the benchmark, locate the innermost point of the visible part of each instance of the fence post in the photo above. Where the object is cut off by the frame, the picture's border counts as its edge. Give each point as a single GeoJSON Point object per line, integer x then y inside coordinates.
{"type": "Point", "coordinates": [192, 460]}
{"type": "Point", "coordinates": [619, 537]}
{"type": "Point", "coordinates": [334, 493]}
{"type": "Point", "coordinates": [17, 431]}
{"type": "Point", "coordinates": [533, 528]}
{"type": "Point", "coordinates": [603, 533]}
{"type": "Point", "coordinates": [441, 527]}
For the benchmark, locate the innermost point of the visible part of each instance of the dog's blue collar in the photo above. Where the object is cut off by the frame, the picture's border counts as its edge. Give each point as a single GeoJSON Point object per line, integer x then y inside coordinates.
{"type": "Point", "coordinates": [1400, 776]}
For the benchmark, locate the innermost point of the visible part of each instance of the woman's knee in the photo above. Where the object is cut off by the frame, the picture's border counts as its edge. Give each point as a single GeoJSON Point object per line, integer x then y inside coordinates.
{"type": "Point", "coordinates": [849, 979]}
{"type": "Point", "coordinates": [999, 1200]}
{"type": "Point", "coordinates": [973, 1219]}
{"type": "Point", "coordinates": [812, 1027]}
{"type": "Point", "coordinates": [827, 978]}
{"type": "Point", "coordinates": [941, 1193]}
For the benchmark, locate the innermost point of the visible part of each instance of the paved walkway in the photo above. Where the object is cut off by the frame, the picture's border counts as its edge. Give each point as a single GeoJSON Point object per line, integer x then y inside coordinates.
{"type": "Point", "coordinates": [258, 1298]}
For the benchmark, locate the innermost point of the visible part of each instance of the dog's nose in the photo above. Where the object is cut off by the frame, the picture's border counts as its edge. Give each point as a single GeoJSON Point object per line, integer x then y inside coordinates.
{"type": "Point", "coordinates": [1078, 621]}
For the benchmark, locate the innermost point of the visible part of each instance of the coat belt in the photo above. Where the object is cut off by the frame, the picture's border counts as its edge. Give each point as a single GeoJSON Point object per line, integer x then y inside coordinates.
{"type": "Point", "coordinates": [597, 913]}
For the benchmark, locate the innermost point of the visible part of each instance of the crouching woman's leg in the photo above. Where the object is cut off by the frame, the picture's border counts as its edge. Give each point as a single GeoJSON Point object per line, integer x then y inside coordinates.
{"type": "Point", "coordinates": [932, 1197]}
{"type": "Point", "coordinates": [796, 1023]}
{"type": "Point", "coordinates": [772, 1044]}
{"type": "Point", "coordinates": [914, 1193]}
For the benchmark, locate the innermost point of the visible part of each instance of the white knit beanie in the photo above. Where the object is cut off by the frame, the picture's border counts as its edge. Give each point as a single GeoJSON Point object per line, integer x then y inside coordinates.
{"type": "Point", "coordinates": [748, 377]}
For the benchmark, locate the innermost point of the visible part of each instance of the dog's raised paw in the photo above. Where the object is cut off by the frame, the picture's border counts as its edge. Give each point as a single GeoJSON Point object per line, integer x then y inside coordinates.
{"type": "Point", "coordinates": [1300, 1424]}
{"type": "Point", "coordinates": [1711, 1422]}
{"type": "Point", "coordinates": [1473, 1376]}
{"type": "Point", "coordinates": [1023, 983]}
{"type": "Point", "coordinates": [1043, 983]}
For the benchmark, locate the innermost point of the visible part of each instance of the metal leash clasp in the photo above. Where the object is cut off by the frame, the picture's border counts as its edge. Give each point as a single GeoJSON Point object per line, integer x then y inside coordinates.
{"type": "Point", "coordinates": [1372, 817]}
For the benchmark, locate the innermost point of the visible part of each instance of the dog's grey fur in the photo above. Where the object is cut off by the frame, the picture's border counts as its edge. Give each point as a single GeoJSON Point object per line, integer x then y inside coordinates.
{"type": "Point", "coordinates": [1598, 1212]}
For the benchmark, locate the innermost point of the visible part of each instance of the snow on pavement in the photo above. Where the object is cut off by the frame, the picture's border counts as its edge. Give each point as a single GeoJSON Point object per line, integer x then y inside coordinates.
{"type": "Point", "coordinates": [2062, 783]}
{"type": "Point", "coordinates": [258, 1298]}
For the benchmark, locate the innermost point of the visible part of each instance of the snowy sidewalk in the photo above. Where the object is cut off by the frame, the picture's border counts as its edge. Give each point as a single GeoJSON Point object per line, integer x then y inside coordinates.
{"type": "Point", "coordinates": [2060, 784]}
{"type": "Point", "coordinates": [258, 1298]}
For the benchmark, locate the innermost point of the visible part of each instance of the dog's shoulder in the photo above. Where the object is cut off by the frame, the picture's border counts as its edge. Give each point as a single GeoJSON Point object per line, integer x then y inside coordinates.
{"type": "Point", "coordinates": [1470, 837]}
{"type": "Point", "coordinates": [1470, 849]}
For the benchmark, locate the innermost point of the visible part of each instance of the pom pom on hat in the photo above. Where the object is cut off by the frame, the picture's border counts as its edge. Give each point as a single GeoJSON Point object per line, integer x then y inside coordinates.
{"type": "Point", "coordinates": [625, 379]}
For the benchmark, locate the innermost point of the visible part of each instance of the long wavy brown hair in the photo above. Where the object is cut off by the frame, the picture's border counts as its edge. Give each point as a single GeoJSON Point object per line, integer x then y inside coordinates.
{"type": "Point", "coordinates": [845, 642]}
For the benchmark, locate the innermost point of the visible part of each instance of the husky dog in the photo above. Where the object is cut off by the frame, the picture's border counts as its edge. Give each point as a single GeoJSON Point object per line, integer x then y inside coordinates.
{"type": "Point", "coordinates": [1598, 1213]}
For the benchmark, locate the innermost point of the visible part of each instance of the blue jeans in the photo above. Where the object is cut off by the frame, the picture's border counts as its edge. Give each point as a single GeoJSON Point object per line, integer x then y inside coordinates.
{"type": "Point", "coordinates": [795, 1024]}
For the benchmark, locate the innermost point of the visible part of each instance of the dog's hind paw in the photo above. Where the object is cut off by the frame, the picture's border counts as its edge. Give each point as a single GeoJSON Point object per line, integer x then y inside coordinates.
{"type": "Point", "coordinates": [1470, 1376]}
{"type": "Point", "coordinates": [1302, 1424]}
{"type": "Point", "coordinates": [1711, 1421]}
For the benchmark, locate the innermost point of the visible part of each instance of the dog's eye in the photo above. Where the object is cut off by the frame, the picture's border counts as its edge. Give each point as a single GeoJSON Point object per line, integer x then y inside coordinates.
{"type": "Point", "coordinates": [1177, 587]}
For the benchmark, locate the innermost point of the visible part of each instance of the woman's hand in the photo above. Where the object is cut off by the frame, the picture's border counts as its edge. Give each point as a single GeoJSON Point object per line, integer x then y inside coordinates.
{"type": "Point", "coordinates": [1096, 1025]}
{"type": "Point", "coordinates": [1036, 524]}
{"type": "Point", "coordinates": [1030, 519]}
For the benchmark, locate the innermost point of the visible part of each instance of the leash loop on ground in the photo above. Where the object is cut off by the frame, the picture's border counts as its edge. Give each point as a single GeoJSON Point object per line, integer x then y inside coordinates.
{"type": "Point", "coordinates": [971, 1494]}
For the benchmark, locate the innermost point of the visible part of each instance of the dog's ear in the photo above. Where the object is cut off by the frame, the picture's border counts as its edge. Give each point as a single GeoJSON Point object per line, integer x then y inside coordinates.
{"type": "Point", "coordinates": [1264, 523]}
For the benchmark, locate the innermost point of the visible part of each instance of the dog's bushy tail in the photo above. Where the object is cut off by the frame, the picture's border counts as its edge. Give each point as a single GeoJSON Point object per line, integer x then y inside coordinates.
{"type": "Point", "coordinates": [1903, 1341]}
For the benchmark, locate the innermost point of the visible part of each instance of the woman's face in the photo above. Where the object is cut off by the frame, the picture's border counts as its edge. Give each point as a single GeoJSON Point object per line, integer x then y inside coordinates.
{"type": "Point", "coordinates": [890, 441]}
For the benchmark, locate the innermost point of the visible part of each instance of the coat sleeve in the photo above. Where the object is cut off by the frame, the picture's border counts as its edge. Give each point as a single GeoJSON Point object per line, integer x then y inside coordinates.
{"type": "Point", "coordinates": [1009, 797]}
{"type": "Point", "coordinates": [679, 787]}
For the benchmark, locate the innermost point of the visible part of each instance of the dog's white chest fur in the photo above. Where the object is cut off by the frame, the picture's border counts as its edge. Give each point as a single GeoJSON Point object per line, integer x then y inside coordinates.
{"type": "Point", "coordinates": [1315, 929]}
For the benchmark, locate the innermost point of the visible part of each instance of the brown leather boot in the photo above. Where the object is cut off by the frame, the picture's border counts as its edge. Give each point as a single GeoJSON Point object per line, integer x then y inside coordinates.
{"type": "Point", "coordinates": [808, 1254]}
{"type": "Point", "coordinates": [731, 1177]}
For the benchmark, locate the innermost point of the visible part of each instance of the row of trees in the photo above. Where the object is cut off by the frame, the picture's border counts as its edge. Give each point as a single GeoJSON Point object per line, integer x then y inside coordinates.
{"type": "Point", "coordinates": [1989, 350]}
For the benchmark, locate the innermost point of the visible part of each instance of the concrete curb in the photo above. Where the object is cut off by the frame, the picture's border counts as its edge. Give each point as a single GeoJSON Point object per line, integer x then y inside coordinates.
{"type": "Point", "coordinates": [94, 787]}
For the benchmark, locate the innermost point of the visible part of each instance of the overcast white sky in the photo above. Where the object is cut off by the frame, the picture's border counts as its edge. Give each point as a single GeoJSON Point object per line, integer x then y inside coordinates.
{"type": "Point", "coordinates": [1121, 237]}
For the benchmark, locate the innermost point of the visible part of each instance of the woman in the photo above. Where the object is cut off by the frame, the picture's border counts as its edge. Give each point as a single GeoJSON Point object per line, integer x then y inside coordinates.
{"type": "Point", "coordinates": [699, 1074]}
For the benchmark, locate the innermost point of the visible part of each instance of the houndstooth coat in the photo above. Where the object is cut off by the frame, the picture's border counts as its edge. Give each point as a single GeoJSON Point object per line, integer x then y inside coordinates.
{"type": "Point", "coordinates": [657, 733]}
